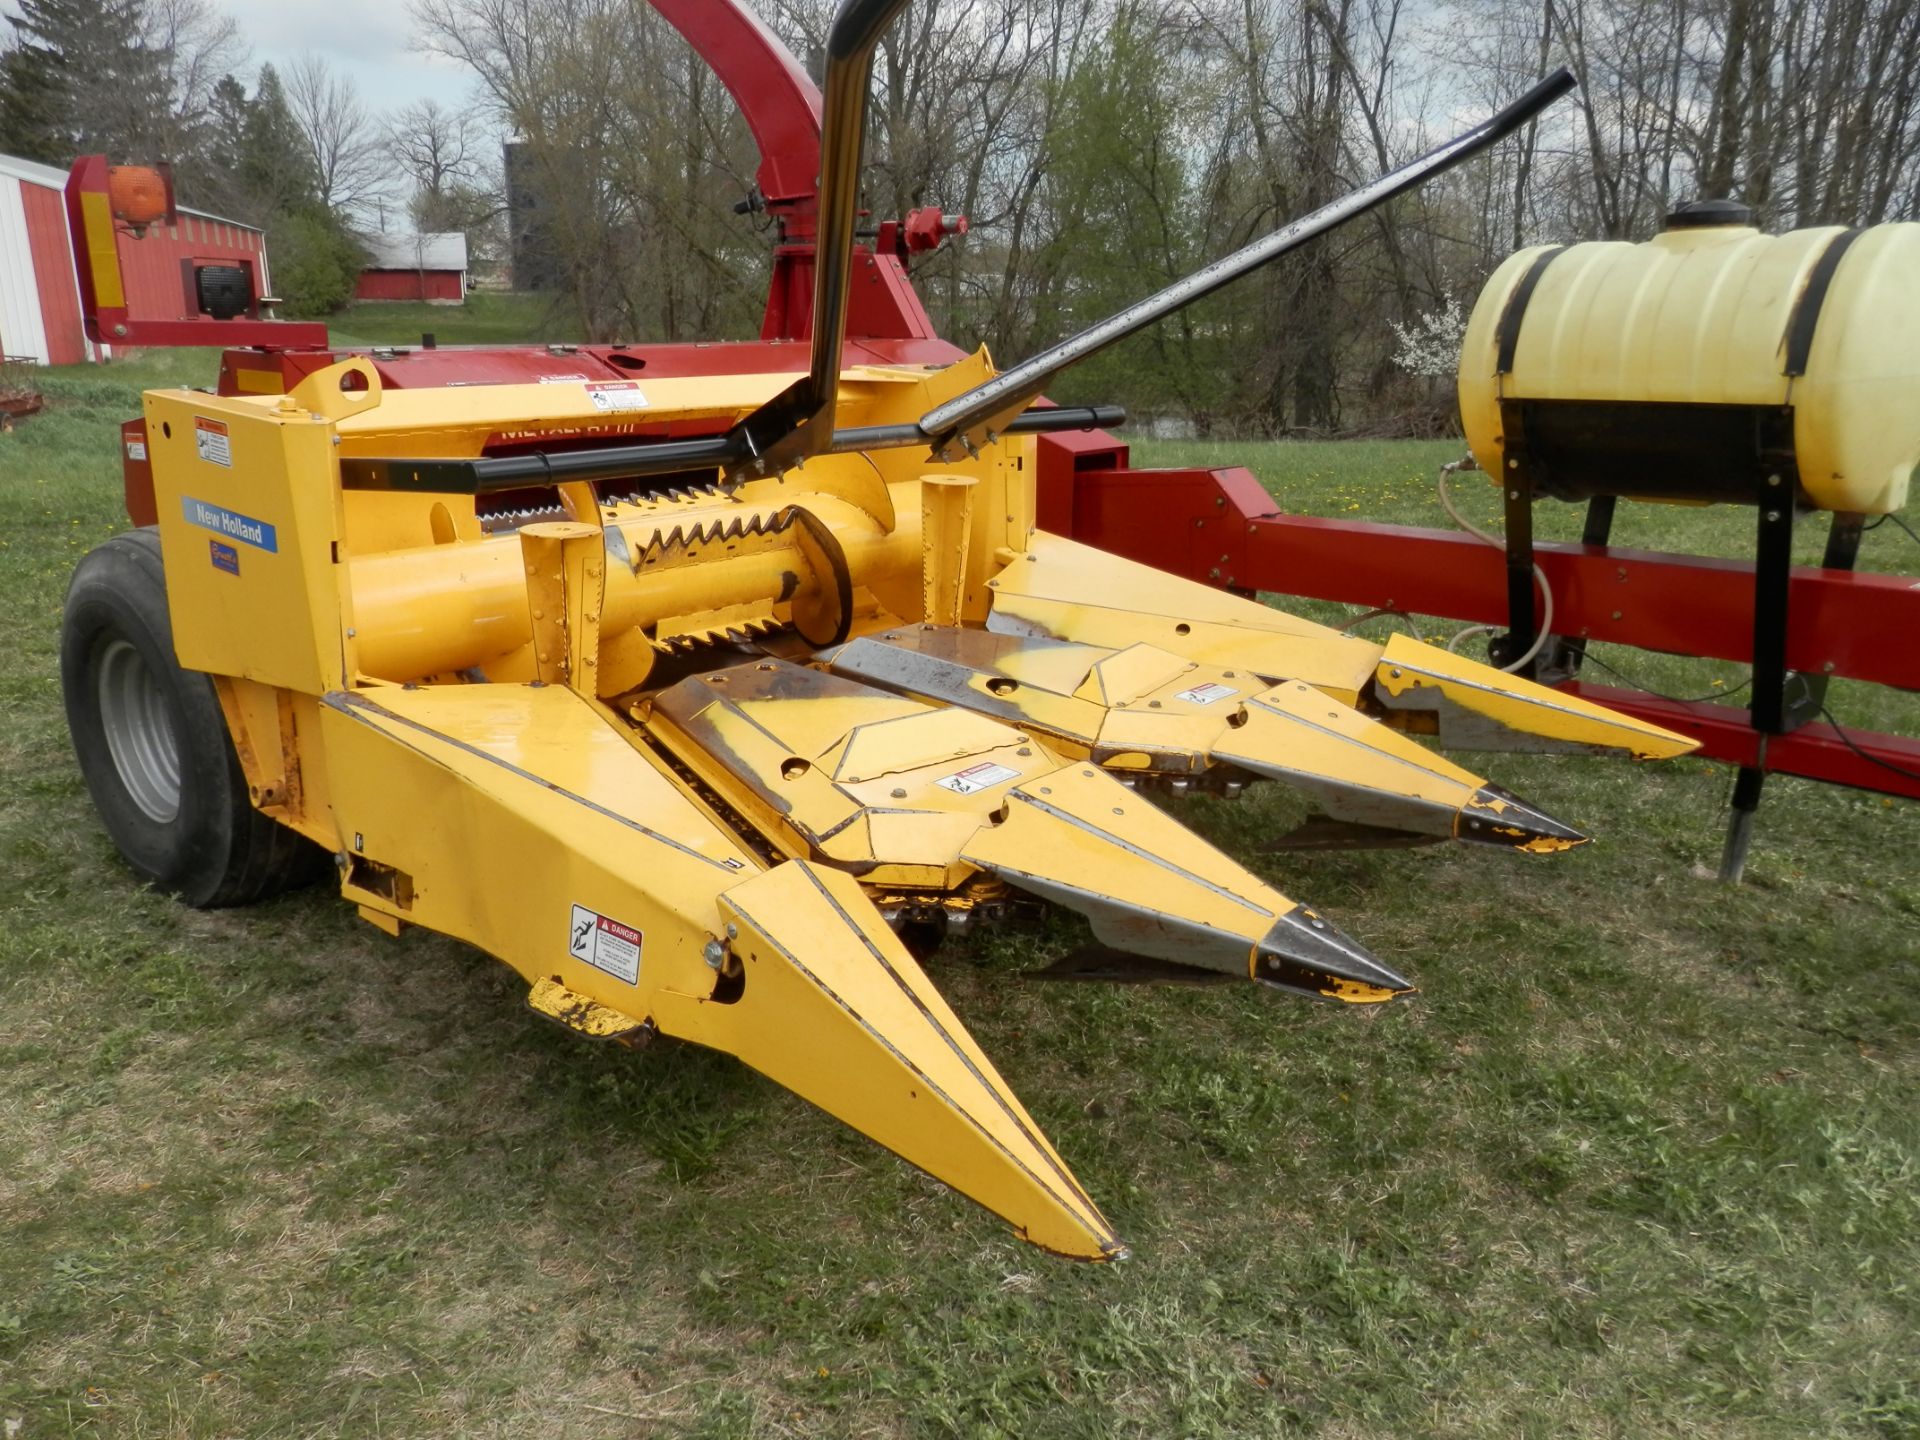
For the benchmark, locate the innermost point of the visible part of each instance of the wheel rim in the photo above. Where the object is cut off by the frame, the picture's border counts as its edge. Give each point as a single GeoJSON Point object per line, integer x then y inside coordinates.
{"type": "Point", "coordinates": [139, 728]}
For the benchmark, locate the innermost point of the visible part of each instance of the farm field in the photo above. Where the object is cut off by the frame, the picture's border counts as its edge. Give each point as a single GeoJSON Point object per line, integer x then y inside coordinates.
{"type": "Point", "coordinates": [1642, 1158]}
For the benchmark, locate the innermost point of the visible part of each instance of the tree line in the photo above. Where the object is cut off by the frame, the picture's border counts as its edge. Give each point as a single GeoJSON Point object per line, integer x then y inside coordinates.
{"type": "Point", "coordinates": [1103, 148]}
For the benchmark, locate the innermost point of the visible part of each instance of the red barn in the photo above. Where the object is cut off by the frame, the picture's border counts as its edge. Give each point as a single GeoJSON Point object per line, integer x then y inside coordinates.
{"type": "Point", "coordinates": [39, 299]}
{"type": "Point", "coordinates": [430, 267]}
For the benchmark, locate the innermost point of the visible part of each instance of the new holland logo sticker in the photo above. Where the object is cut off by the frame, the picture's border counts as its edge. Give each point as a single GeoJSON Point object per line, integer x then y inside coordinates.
{"type": "Point", "coordinates": [230, 523]}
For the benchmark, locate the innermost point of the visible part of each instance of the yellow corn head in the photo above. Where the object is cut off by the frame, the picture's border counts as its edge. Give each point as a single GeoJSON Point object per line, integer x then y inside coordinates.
{"type": "Point", "coordinates": [694, 744]}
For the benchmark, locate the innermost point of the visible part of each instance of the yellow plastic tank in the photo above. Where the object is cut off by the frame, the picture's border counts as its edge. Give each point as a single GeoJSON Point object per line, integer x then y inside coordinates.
{"type": "Point", "coordinates": [1712, 312]}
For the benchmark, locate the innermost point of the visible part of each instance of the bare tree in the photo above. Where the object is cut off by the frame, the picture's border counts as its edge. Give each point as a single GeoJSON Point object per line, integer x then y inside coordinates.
{"type": "Point", "coordinates": [436, 148]}
{"type": "Point", "coordinates": [340, 136]}
{"type": "Point", "coordinates": [200, 45]}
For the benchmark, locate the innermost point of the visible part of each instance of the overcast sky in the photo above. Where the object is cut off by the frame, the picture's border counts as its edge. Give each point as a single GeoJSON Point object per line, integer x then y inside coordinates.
{"type": "Point", "coordinates": [369, 41]}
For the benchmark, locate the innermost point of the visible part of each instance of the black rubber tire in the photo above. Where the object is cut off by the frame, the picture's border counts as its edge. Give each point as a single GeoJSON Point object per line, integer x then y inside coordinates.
{"type": "Point", "coordinates": [216, 849]}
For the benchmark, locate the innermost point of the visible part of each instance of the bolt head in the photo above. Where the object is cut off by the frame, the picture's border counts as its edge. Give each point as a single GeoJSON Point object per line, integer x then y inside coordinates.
{"type": "Point", "coordinates": [714, 953]}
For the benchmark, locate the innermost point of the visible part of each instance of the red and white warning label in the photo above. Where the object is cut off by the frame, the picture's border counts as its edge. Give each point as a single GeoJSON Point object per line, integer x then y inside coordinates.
{"type": "Point", "coordinates": [1206, 694]}
{"type": "Point", "coordinates": [605, 944]}
{"type": "Point", "coordinates": [978, 777]}
{"type": "Point", "coordinates": [210, 438]}
{"type": "Point", "coordinates": [616, 395]}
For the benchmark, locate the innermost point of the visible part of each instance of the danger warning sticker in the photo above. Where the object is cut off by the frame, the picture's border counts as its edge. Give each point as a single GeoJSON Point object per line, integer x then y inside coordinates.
{"type": "Point", "coordinates": [616, 395]}
{"type": "Point", "coordinates": [1206, 694]}
{"type": "Point", "coordinates": [978, 777]}
{"type": "Point", "coordinates": [605, 944]}
{"type": "Point", "coordinates": [210, 438]}
{"type": "Point", "coordinates": [137, 450]}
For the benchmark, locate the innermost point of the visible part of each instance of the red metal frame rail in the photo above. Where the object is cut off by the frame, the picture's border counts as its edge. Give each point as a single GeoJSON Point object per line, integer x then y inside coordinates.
{"type": "Point", "coordinates": [1221, 526]}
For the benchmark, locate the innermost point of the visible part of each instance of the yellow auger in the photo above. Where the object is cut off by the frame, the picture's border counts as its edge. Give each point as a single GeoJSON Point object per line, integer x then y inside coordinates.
{"type": "Point", "coordinates": [684, 749]}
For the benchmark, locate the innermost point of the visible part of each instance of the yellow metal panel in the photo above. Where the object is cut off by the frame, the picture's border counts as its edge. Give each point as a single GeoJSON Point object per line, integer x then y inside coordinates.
{"type": "Point", "coordinates": [103, 257]}
{"type": "Point", "coordinates": [885, 786]}
{"type": "Point", "coordinates": [1481, 708]}
{"type": "Point", "coordinates": [833, 1008]}
{"type": "Point", "coordinates": [507, 806]}
{"type": "Point", "coordinates": [1150, 887]}
{"type": "Point", "coordinates": [1075, 592]}
{"type": "Point", "coordinates": [1079, 828]}
{"type": "Point", "coordinates": [1130, 673]}
{"type": "Point", "coordinates": [259, 382]}
{"type": "Point", "coordinates": [498, 803]}
{"type": "Point", "coordinates": [946, 531]}
{"type": "Point", "coordinates": [461, 419]}
{"type": "Point", "coordinates": [249, 520]}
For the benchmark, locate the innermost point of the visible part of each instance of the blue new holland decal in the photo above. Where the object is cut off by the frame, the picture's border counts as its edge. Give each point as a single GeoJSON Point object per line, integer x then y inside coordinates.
{"type": "Point", "coordinates": [230, 523]}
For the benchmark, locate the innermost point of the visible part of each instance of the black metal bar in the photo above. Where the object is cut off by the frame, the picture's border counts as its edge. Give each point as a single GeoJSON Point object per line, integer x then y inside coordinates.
{"type": "Point", "coordinates": [1516, 493]}
{"type": "Point", "coordinates": [1015, 387]}
{"type": "Point", "coordinates": [1570, 654]}
{"type": "Point", "coordinates": [1746, 804]}
{"type": "Point", "coordinates": [1772, 564]}
{"type": "Point", "coordinates": [1804, 695]}
{"type": "Point", "coordinates": [1599, 527]}
{"type": "Point", "coordinates": [1029, 422]}
{"type": "Point", "coordinates": [1522, 624]}
{"type": "Point", "coordinates": [1843, 540]}
{"type": "Point", "coordinates": [798, 422]}
{"type": "Point", "coordinates": [491, 474]}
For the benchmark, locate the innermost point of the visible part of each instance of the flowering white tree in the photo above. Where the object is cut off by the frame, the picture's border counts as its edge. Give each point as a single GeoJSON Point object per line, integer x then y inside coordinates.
{"type": "Point", "coordinates": [1430, 346]}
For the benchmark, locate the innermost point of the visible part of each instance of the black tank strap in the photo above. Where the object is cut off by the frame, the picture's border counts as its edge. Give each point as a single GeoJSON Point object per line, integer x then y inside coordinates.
{"type": "Point", "coordinates": [1510, 318]}
{"type": "Point", "coordinates": [1806, 311]}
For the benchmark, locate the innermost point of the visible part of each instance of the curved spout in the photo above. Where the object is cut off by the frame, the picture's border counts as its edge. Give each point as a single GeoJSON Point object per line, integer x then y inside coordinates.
{"type": "Point", "coordinates": [780, 104]}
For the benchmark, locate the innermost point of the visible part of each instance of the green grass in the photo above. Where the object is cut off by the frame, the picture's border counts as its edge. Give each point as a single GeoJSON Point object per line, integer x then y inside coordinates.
{"type": "Point", "coordinates": [486, 317]}
{"type": "Point", "coordinates": [1640, 1160]}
